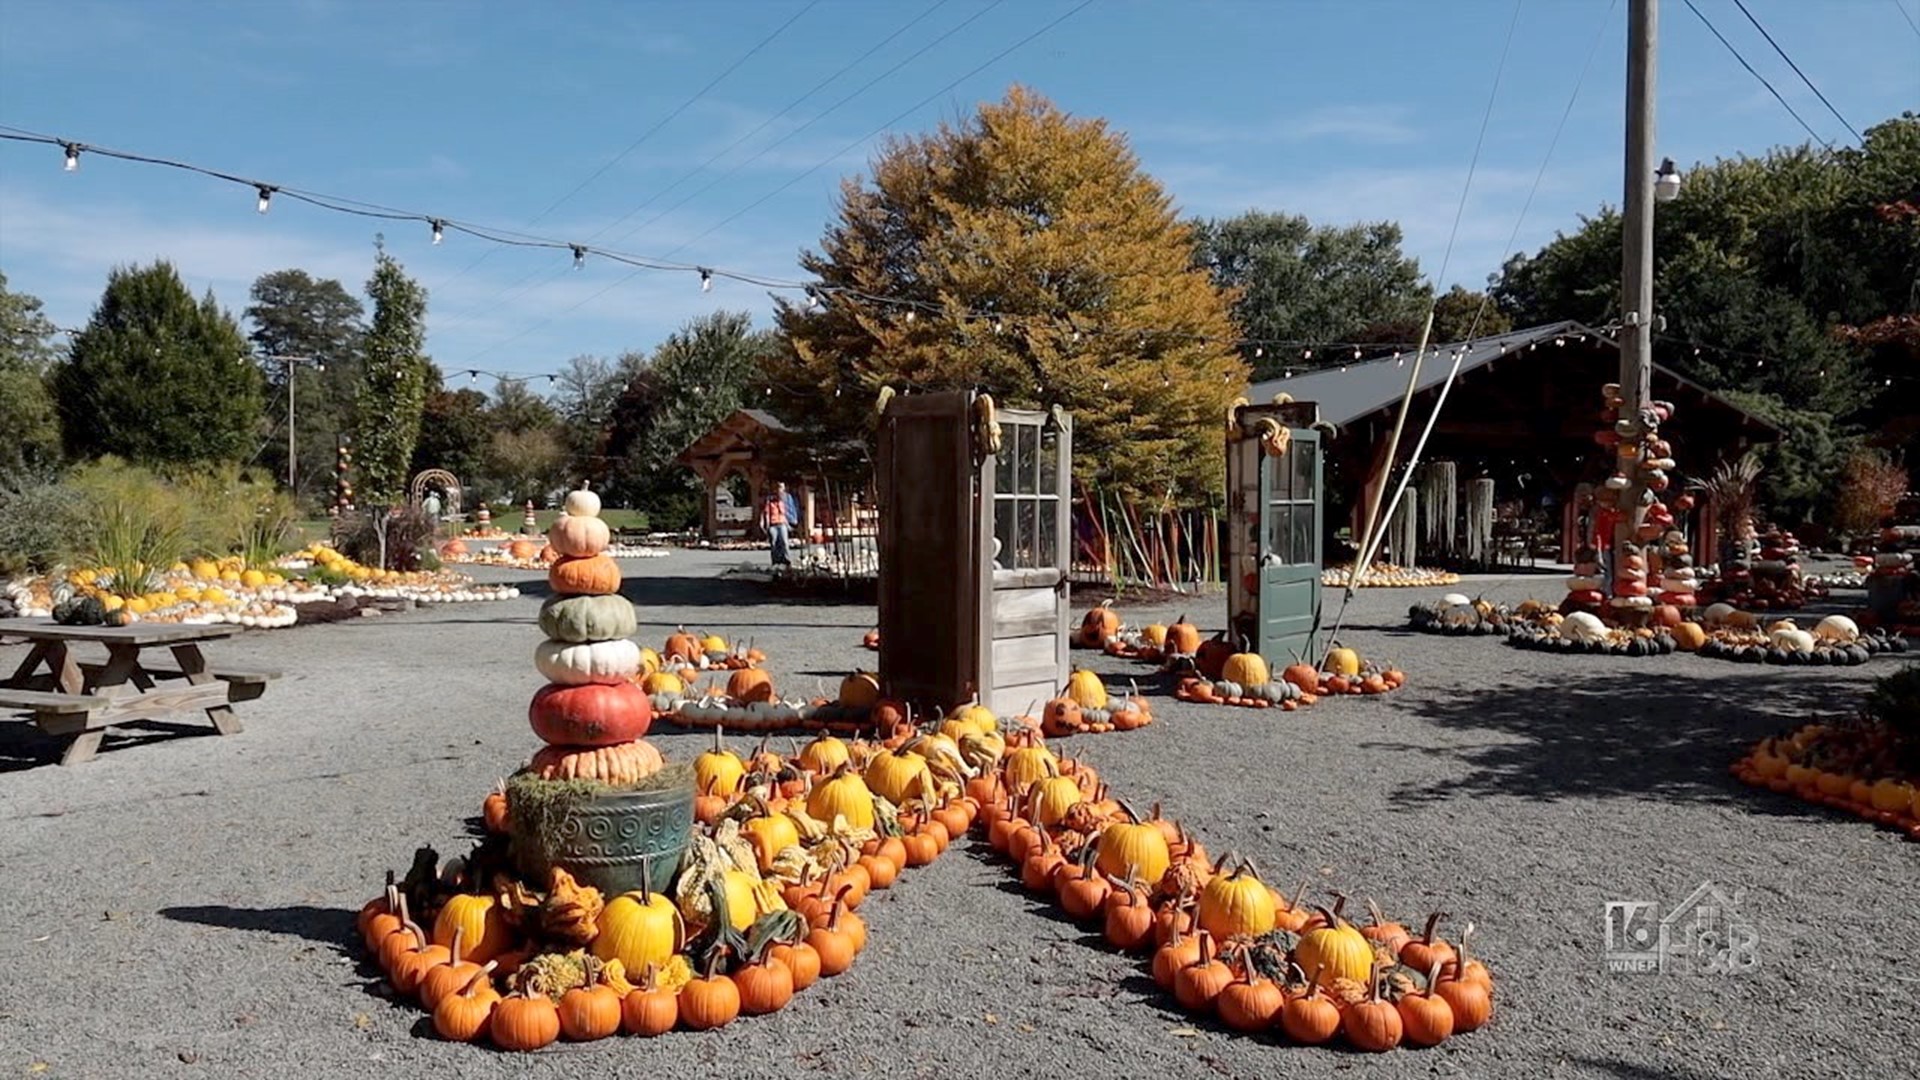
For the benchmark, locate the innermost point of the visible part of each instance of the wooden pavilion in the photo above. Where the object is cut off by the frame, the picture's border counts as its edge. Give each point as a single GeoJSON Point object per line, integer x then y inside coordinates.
{"type": "Point", "coordinates": [1522, 413]}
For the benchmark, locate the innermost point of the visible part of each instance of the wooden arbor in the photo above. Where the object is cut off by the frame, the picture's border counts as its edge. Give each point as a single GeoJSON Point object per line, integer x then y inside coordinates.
{"type": "Point", "coordinates": [1275, 519]}
{"type": "Point", "coordinates": [974, 532]}
{"type": "Point", "coordinates": [743, 444]}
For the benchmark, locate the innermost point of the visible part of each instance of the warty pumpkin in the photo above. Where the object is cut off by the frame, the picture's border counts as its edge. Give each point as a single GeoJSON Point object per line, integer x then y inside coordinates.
{"type": "Point", "coordinates": [579, 663]}
{"type": "Point", "coordinates": [590, 715]}
{"type": "Point", "coordinates": [621, 763]}
{"type": "Point", "coordinates": [587, 618]}
{"type": "Point", "coordinates": [578, 537]}
{"type": "Point", "coordinates": [593, 575]}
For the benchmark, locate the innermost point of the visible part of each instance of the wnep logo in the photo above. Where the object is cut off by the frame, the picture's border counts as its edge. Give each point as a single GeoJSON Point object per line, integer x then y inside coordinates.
{"type": "Point", "coordinates": [1702, 935]}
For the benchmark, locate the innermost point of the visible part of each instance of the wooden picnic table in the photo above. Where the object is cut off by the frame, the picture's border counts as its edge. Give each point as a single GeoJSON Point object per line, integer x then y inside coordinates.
{"type": "Point", "coordinates": [68, 695]}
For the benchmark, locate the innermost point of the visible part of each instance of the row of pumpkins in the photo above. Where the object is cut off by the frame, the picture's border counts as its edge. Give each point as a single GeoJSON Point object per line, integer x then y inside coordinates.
{"type": "Point", "coordinates": [1220, 940]}
{"type": "Point", "coordinates": [763, 906]}
{"type": "Point", "coordinates": [1218, 671]}
{"type": "Point", "coordinates": [1820, 763]}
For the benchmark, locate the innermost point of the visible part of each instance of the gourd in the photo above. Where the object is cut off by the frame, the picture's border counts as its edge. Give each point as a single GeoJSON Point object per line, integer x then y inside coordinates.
{"type": "Point", "coordinates": [1582, 626]}
{"type": "Point", "coordinates": [591, 715]}
{"type": "Point", "coordinates": [578, 536]}
{"type": "Point", "coordinates": [587, 618]}
{"type": "Point", "coordinates": [1792, 639]}
{"type": "Point", "coordinates": [593, 575]}
{"type": "Point", "coordinates": [578, 663]}
{"type": "Point", "coordinates": [621, 764]}
{"type": "Point", "coordinates": [1086, 689]}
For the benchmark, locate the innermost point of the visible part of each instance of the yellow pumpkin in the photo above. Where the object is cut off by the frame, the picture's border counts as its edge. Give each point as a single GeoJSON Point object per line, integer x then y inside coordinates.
{"type": "Point", "coordinates": [1086, 689]}
{"type": "Point", "coordinates": [638, 929]}
{"type": "Point", "coordinates": [956, 729]}
{"type": "Point", "coordinates": [661, 682]}
{"type": "Point", "coordinates": [1247, 669]}
{"type": "Point", "coordinates": [860, 690]}
{"type": "Point", "coordinates": [1154, 634]}
{"type": "Point", "coordinates": [1689, 636]}
{"type": "Point", "coordinates": [718, 771]}
{"type": "Point", "coordinates": [1336, 950]}
{"type": "Point", "coordinates": [1026, 765]}
{"type": "Point", "coordinates": [978, 715]}
{"type": "Point", "coordinates": [899, 777]}
{"type": "Point", "coordinates": [845, 795]}
{"type": "Point", "coordinates": [1136, 848]}
{"type": "Point", "coordinates": [482, 926]}
{"type": "Point", "coordinates": [1344, 661]}
{"type": "Point", "coordinates": [1049, 800]}
{"type": "Point", "coordinates": [770, 834]}
{"type": "Point", "coordinates": [650, 662]}
{"type": "Point", "coordinates": [823, 755]}
{"type": "Point", "coordinates": [1237, 904]}
{"type": "Point", "coordinates": [713, 643]}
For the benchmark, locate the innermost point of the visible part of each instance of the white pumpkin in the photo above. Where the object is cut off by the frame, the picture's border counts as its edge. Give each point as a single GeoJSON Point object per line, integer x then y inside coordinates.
{"type": "Point", "coordinates": [575, 663]}
{"type": "Point", "coordinates": [1582, 626]}
{"type": "Point", "coordinates": [1454, 599]}
{"type": "Point", "coordinates": [1837, 628]}
{"type": "Point", "coordinates": [583, 504]}
{"type": "Point", "coordinates": [1716, 614]}
{"type": "Point", "coordinates": [1792, 640]}
{"type": "Point", "coordinates": [1580, 582]}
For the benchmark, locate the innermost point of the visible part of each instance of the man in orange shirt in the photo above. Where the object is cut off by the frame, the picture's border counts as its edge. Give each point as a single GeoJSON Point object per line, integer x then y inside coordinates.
{"type": "Point", "coordinates": [776, 517]}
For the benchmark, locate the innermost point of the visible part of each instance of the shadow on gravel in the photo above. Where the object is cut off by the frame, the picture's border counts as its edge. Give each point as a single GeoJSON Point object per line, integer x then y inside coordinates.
{"type": "Point", "coordinates": [325, 926]}
{"type": "Point", "coordinates": [1614, 733]}
{"type": "Point", "coordinates": [24, 746]}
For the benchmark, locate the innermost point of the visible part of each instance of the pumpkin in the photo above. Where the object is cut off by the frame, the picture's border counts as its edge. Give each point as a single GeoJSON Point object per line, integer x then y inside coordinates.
{"type": "Point", "coordinates": [1062, 716]}
{"type": "Point", "coordinates": [523, 550]}
{"type": "Point", "coordinates": [1099, 625]}
{"type": "Point", "coordinates": [578, 537]}
{"type": "Point", "coordinates": [1334, 948]}
{"type": "Point", "coordinates": [525, 1021]}
{"type": "Point", "coordinates": [1343, 661]}
{"type": "Point", "coordinates": [1248, 668]}
{"type": "Point", "coordinates": [770, 834]}
{"type": "Point", "coordinates": [663, 682]}
{"type": "Point", "coordinates": [578, 663]}
{"type": "Point", "coordinates": [1250, 1003]}
{"type": "Point", "coordinates": [587, 618]}
{"type": "Point", "coordinates": [1212, 656]}
{"type": "Point", "coordinates": [1301, 676]}
{"type": "Point", "coordinates": [466, 1015]}
{"type": "Point", "coordinates": [638, 929]}
{"type": "Point", "coordinates": [592, 575]}
{"type": "Point", "coordinates": [845, 795]}
{"type": "Point", "coordinates": [1372, 1025]}
{"type": "Point", "coordinates": [710, 1002]}
{"type": "Point", "coordinates": [1791, 639]}
{"type": "Point", "coordinates": [765, 986]}
{"type": "Point", "coordinates": [1582, 626]}
{"type": "Point", "coordinates": [590, 715]}
{"type": "Point", "coordinates": [750, 685]}
{"type": "Point", "coordinates": [1086, 689]}
{"type": "Point", "coordinates": [823, 755]}
{"type": "Point", "coordinates": [683, 645]}
{"type": "Point", "coordinates": [1425, 1016]}
{"type": "Point", "coordinates": [718, 771]}
{"type": "Point", "coordinates": [1689, 636]}
{"type": "Point", "coordinates": [860, 690]}
{"type": "Point", "coordinates": [1310, 1017]}
{"type": "Point", "coordinates": [619, 764]}
{"type": "Point", "coordinates": [979, 716]}
{"type": "Point", "coordinates": [592, 1011]}
{"type": "Point", "coordinates": [582, 503]}
{"type": "Point", "coordinates": [649, 1009]}
{"type": "Point", "coordinates": [898, 777]}
{"type": "Point", "coordinates": [1236, 904]}
{"type": "Point", "coordinates": [1133, 849]}
{"type": "Point", "coordinates": [1025, 765]}
{"type": "Point", "coordinates": [1154, 634]}
{"type": "Point", "coordinates": [1049, 800]}
{"type": "Point", "coordinates": [1183, 638]}
{"type": "Point", "coordinates": [1198, 984]}
{"type": "Point", "coordinates": [1838, 629]}
{"type": "Point", "coordinates": [477, 922]}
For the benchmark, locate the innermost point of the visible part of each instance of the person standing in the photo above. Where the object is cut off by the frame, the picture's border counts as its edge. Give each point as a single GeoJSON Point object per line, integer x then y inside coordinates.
{"type": "Point", "coordinates": [776, 516]}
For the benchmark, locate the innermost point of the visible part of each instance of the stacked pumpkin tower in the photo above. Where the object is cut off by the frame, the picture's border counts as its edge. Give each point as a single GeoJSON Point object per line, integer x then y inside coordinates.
{"type": "Point", "coordinates": [1655, 573]}
{"type": "Point", "coordinates": [591, 713]}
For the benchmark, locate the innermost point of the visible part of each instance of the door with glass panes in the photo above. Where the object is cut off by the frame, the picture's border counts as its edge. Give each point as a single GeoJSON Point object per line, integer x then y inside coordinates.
{"type": "Point", "coordinates": [1025, 534]}
{"type": "Point", "coordinates": [1274, 534]}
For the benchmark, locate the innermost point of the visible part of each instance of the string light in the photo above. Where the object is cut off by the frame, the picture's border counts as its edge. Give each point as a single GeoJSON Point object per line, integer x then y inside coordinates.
{"type": "Point", "coordinates": [579, 256]}
{"type": "Point", "coordinates": [439, 231]}
{"type": "Point", "coordinates": [266, 197]}
{"type": "Point", "coordinates": [73, 155]}
{"type": "Point", "coordinates": [1307, 355]}
{"type": "Point", "coordinates": [706, 280]}
{"type": "Point", "coordinates": [1356, 353]}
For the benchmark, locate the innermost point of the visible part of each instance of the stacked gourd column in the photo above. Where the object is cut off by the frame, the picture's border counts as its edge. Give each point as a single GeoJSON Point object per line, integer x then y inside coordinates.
{"type": "Point", "coordinates": [1657, 565]}
{"type": "Point", "coordinates": [591, 713]}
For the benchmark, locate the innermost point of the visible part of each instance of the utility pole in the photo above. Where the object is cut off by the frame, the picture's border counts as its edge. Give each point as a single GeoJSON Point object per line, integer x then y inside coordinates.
{"type": "Point", "coordinates": [1636, 268]}
{"type": "Point", "coordinates": [293, 452]}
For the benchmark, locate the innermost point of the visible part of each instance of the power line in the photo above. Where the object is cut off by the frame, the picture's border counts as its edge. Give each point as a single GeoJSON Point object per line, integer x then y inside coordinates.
{"type": "Point", "coordinates": [1741, 4]}
{"type": "Point", "coordinates": [1708, 23]}
{"type": "Point", "coordinates": [647, 134]}
{"type": "Point", "coordinates": [1902, 9]}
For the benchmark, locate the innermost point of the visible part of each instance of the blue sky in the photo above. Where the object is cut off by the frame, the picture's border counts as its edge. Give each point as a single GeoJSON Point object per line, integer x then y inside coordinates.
{"type": "Point", "coordinates": [501, 113]}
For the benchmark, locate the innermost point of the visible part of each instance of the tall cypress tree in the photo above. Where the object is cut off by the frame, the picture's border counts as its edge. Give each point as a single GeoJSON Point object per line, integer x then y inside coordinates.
{"type": "Point", "coordinates": [156, 377]}
{"type": "Point", "coordinates": [393, 382]}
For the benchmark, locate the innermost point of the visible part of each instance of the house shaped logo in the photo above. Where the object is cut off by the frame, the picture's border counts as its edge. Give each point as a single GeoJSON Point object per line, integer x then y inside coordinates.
{"type": "Point", "coordinates": [1703, 935]}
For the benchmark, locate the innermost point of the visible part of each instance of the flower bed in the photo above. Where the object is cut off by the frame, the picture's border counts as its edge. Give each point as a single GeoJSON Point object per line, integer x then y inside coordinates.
{"type": "Point", "coordinates": [1215, 936]}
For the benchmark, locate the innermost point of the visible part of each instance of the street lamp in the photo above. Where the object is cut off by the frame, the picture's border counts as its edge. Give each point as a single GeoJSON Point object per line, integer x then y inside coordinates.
{"type": "Point", "coordinates": [1666, 182]}
{"type": "Point", "coordinates": [288, 363]}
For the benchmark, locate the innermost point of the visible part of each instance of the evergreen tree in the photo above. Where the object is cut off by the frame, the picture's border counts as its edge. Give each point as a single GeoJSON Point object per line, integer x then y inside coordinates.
{"type": "Point", "coordinates": [1048, 223]}
{"type": "Point", "coordinates": [295, 314]}
{"type": "Point", "coordinates": [393, 383]}
{"type": "Point", "coordinates": [155, 377]}
{"type": "Point", "coordinates": [27, 355]}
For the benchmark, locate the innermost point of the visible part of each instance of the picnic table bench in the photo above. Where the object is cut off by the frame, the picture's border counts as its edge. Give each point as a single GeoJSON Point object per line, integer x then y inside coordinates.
{"type": "Point", "coordinates": [66, 695]}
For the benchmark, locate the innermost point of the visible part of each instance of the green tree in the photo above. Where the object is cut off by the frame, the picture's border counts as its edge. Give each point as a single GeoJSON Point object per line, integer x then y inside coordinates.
{"type": "Point", "coordinates": [393, 383]}
{"type": "Point", "coordinates": [27, 412]}
{"type": "Point", "coordinates": [155, 377]}
{"type": "Point", "coordinates": [295, 314]}
{"type": "Point", "coordinates": [704, 371]}
{"type": "Point", "coordinates": [516, 407]}
{"type": "Point", "coordinates": [524, 463]}
{"type": "Point", "coordinates": [1299, 282]}
{"type": "Point", "coordinates": [454, 435]}
{"type": "Point", "coordinates": [1046, 267]}
{"type": "Point", "coordinates": [584, 394]}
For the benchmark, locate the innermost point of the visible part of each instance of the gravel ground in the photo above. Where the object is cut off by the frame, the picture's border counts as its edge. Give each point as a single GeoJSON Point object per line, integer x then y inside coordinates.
{"type": "Point", "coordinates": [178, 908]}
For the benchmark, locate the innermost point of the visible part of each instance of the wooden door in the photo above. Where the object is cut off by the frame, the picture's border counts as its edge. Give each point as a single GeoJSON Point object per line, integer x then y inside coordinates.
{"type": "Point", "coordinates": [1274, 542]}
{"type": "Point", "coordinates": [1024, 530]}
{"type": "Point", "coordinates": [927, 480]}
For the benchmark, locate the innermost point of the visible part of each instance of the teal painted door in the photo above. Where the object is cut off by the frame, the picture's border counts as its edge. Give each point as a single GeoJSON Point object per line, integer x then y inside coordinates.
{"type": "Point", "coordinates": [1275, 542]}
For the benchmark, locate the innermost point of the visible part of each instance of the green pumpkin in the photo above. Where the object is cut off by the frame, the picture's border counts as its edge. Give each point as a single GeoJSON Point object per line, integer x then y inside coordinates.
{"type": "Point", "coordinates": [587, 618]}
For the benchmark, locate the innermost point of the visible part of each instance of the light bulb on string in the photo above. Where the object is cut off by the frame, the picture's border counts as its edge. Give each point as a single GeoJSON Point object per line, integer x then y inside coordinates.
{"type": "Point", "coordinates": [579, 256]}
{"type": "Point", "coordinates": [1306, 354]}
{"type": "Point", "coordinates": [1259, 351]}
{"type": "Point", "coordinates": [73, 156]}
{"type": "Point", "coordinates": [1356, 354]}
{"type": "Point", "coordinates": [473, 376]}
{"type": "Point", "coordinates": [910, 316]}
{"type": "Point", "coordinates": [266, 197]}
{"type": "Point", "coordinates": [439, 231]}
{"type": "Point", "coordinates": [706, 280]}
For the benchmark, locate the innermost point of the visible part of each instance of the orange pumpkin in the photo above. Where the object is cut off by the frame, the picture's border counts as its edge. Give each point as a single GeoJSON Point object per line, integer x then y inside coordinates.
{"type": "Point", "coordinates": [683, 645]}
{"type": "Point", "coordinates": [750, 685]}
{"type": "Point", "coordinates": [1183, 638]}
{"type": "Point", "coordinates": [594, 575]}
{"type": "Point", "coordinates": [523, 549]}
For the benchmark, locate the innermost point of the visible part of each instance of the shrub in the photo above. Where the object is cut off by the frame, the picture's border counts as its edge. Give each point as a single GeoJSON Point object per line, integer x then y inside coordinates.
{"type": "Point", "coordinates": [389, 541]}
{"type": "Point", "coordinates": [1870, 483]}
{"type": "Point", "coordinates": [42, 522]}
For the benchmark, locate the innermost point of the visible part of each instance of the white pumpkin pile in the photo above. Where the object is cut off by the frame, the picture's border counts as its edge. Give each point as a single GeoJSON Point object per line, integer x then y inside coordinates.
{"type": "Point", "coordinates": [442, 593]}
{"type": "Point", "coordinates": [725, 712]}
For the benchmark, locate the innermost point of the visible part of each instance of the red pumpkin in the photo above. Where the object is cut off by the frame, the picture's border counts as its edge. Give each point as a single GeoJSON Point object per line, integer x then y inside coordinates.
{"type": "Point", "coordinates": [591, 715]}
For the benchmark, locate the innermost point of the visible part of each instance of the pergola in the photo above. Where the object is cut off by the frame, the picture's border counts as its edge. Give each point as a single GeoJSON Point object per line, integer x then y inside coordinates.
{"type": "Point", "coordinates": [746, 444]}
